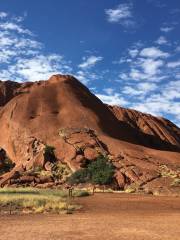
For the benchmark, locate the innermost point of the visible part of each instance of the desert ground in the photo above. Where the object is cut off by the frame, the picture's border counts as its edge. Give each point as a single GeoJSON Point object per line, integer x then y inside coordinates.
{"type": "Point", "coordinates": [103, 216]}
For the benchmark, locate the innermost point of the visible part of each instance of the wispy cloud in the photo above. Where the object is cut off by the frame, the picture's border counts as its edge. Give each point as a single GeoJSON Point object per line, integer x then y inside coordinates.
{"type": "Point", "coordinates": [174, 64]}
{"type": "Point", "coordinates": [90, 61]}
{"type": "Point", "coordinates": [23, 58]}
{"type": "Point", "coordinates": [161, 40]}
{"type": "Point", "coordinates": [144, 64]}
{"type": "Point", "coordinates": [140, 90]}
{"type": "Point", "coordinates": [21, 55]}
{"type": "Point", "coordinates": [153, 52]}
{"type": "Point", "coordinates": [133, 52]}
{"type": "Point", "coordinates": [14, 27]}
{"type": "Point", "coordinates": [122, 14]}
{"type": "Point", "coordinates": [113, 99]}
{"type": "Point", "coordinates": [39, 67]}
{"type": "Point", "coordinates": [166, 29]}
{"type": "Point", "coordinates": [150, 81]}
{"type": "Point", "coordinates": [3, 14]}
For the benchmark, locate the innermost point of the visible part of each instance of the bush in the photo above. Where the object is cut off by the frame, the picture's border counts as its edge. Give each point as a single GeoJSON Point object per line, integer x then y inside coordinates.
{"type": "Point", "coordinates": [99, 172]}
{"type": "Point", "coordinates": [176, 182]}
{"type": "Point", "coordinates": [60, 171]}
{"type": "Point", "coordinates": [49, 154]}
{"type": "Point", "coordinates": [80, 176]}
{"type": "Point", "coordinates": [8, 165]}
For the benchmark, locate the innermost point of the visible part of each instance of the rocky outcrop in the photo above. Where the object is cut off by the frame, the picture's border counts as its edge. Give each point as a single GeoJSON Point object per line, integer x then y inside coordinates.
{"type": "Point", "coordinates": [62, 113]}
{"type": "Point", "coordinates": [86, 145]}
{"type": "Point", "coordinates": [155, 126]}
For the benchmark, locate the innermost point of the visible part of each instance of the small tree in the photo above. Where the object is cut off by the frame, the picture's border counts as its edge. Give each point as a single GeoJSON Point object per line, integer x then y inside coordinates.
{"type": "Point", "coordinates": [99, 171]}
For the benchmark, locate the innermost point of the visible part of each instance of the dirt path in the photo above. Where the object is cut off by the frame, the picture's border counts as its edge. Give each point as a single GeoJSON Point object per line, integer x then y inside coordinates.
{"type": "Point", "coordinates": [104, 216]}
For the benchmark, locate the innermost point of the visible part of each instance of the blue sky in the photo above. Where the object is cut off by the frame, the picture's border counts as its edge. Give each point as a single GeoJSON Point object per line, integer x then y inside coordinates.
{"type": "Point", "coordinates": [126, 52]}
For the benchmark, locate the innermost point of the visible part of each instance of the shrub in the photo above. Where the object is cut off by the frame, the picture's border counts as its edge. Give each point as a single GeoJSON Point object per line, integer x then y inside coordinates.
{"type": "Point", "coordinates": [60, 171]}
{"type": "Point", "coordinates": [176, 182]}
{"type": "Point", "coordinates": [49, 154]}
{"type": "Point", "coordinates": [80, 176]}
{"type": "Point", "coordinates": [7, 166]}
{"type": "Point", "coordinates": [130, 189]}
{"type": "Point", "coordinates": [99, 172]}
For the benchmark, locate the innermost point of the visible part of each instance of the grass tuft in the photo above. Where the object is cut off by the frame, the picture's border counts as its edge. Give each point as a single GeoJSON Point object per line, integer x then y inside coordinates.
{"type": "Point", "coordinates": [38, 200]}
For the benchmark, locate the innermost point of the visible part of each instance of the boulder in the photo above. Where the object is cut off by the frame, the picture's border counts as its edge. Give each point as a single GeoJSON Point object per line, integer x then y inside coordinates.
{"type": "Point", "coordinates": [44, 179]}
{"type": "Point", "coordinates": [80, 158]}
{"type": "Point", "coordinates": [90, 153]}
{"type": "Point", "coordinates": [48, 166]}
{"type": "Point", "coordinates": [26, 179]}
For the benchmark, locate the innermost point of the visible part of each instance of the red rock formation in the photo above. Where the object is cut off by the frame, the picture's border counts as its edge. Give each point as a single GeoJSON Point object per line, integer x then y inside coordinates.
{"type": "Point", "coordinates": [63, 113]}
{"type": "Point", "coordinates": [155, 126]}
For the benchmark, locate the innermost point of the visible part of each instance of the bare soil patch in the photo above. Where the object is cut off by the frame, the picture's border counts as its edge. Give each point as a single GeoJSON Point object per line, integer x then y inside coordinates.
{"type": "Point", "coordinates": [103, 216]}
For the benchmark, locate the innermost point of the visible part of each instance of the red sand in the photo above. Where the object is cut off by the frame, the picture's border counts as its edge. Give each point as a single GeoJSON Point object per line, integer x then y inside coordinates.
{"type": "Point", "coordinates": [104, 216]}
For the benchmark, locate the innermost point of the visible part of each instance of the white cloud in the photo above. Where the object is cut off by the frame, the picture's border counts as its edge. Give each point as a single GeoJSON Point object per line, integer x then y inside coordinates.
{"type": "Point", "coordinates": [144, 69]}
{"type": "Point", "coordinates": [153, 52]}
{"type": "Point", "coordinates": [88, 75]}
{"type": "Point", "coordinates": [159, 106]}
{"type": "Point", "coordinates": [121, 14]}
{"type": "Point", "coordinates": [109, 91]}
{"type": "Point", "coordinates": [172, 90]}
{"type": "Point", "coordinates": [161, 40]}
{"type": "Point", "coordinates": [124, 76]}
{"type": "Point", "coordinates": [40, 67]}
{"type": "Point", "coordinates": [22, 57]}
{"type": "Point", "coordinates": [156, 88]}
{"type": "Point", "coordinates": [82, 76]}
{"type": "Point", "coordinates": [178, 49]}
{"type": "Point", "coordinates": [3, 15]}
{"type": "Point", "coordinates": [174, 64]}
{"type": "Point", "coordinates": [5, 40]}
{"type": "Point", "coordinates": [166, 29]}
{"type": "Point", "coordinates": [14, 27]}
{"type": "Point", "coordinates": [136, 74]}
{"type": "Point", "coordinates": [151, 66]}
{"type": "Point", "coordinates": [6, 55]}
{"type": "Point", "coordinates": [114, 99]}
{"type": "Point", "coordinates": [140, 89]}
{"type": "Point", "coordinates": [90, 62]}
{"type": "Point", "coordinates": [133, 52]}
{"type": "Point", "coordinates": [158, 100]}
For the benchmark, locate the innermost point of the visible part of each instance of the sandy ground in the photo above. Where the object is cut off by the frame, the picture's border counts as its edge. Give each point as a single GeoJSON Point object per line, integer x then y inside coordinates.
{"type": "Point", "coordinates": [104, 216]}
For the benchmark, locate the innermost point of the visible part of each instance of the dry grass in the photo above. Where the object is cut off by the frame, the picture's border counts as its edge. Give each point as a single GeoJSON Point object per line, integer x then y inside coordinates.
{"type": "Point", "coordinates": [167, 172]}
{"type": "Point", "coordinates": [37, 200]}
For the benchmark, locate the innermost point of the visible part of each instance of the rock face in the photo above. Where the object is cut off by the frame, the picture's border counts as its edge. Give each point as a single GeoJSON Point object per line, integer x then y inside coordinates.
{"type": "Point", "coordinates": [63, 113]}
{"type": "Point", "coordinates": [155, 126]}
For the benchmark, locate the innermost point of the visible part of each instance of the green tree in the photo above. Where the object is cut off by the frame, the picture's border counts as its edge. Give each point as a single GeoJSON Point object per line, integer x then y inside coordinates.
{"type": "Point", "coordinates": [100, 172]}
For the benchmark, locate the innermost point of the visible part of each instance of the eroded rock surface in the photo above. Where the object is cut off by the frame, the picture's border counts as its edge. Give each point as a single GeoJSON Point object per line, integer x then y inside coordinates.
{"type": "Point", "coordinates": [62, 113]}
{"type": "Point", "coordinates": [154, 126]}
